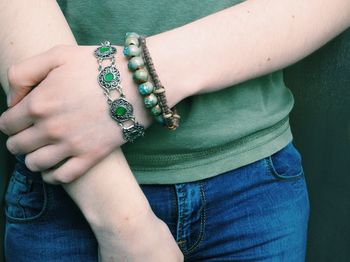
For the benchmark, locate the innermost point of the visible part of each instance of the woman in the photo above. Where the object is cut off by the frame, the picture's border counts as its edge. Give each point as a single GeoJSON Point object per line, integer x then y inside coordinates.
{"type": "Point", "coordinates": [221, 170]}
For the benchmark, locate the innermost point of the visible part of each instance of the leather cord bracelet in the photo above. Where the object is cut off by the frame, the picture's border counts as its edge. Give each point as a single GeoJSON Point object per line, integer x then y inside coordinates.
{"type": "Point", "coordinates": [144, 73]}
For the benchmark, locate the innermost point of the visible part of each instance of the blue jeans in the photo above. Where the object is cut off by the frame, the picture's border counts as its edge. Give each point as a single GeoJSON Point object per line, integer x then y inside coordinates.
{"type": "Point", "coordinates": [258, 212]}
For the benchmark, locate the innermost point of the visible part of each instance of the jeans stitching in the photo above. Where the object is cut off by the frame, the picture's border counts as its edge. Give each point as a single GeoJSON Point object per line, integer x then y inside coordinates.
{"type": "Point", "coordinates": [179, 228]}
{"type": "Point", "coordinates": [175, 206]}
{"type": "Point", "coordinates": [272, 171]}
{"type": "Point", "coordinates": [37, 217]}
{"type": "Point", "coordinates": [202, 224]}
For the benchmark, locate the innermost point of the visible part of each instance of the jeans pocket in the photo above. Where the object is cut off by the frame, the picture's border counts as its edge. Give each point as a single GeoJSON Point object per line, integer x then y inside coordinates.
{"type": "Point", "coordinates": [286, 163]}
{"type": "Point", "coordinates": [25, 199]}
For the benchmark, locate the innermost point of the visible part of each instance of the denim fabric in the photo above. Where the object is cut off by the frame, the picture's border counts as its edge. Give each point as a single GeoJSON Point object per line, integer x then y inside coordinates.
{"type": "Point", "coordinates": [258, 212]}
{"type": "Point", "coordinates": [43, 223]}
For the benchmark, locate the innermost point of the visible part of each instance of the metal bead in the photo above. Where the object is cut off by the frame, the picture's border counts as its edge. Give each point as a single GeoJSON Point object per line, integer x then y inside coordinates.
{"type": "Point", "coordinates": [159, 90]}
{"type": "Point", "coordinates": [133, 132]}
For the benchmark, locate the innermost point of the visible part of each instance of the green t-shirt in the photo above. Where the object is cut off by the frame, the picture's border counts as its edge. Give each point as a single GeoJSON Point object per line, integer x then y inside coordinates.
{"type": "Point", "coordinates": [219, 131]}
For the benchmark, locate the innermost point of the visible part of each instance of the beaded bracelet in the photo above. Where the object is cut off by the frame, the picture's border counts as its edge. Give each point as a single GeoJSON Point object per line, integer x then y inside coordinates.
{"type": "Point", "coordinates": [109, 79]}
{"type": "Point", "coordinates": [154, 95]}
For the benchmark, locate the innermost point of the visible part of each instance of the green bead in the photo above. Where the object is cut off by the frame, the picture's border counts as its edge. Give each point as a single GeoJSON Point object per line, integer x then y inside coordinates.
{"type": "Point", "coordinates": [159, 119]}
{"type": "Point", "coordinates": [140, 75]}
{"type": "Point", "coordinates": [108, 77]}
{"type": "Point", "coordinates": [103, 49]}
{"type": "Point", "coordinates": [146, 88]}
{"type": "Point", "coordinates": [156, 110]}
{"type": "Point", "coordinates": [132, 40]}
{"type": "Point", "coordinates": [135, 63]}
{"type": "Point", "coordinates": [120, 111]}
{"type": "Point", "coordinates": [131, 50]}
{"type": "Point", "coordinates": [150, 101]}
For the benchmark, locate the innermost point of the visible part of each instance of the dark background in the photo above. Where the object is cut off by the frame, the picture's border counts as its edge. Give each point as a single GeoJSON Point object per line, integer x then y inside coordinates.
{"type": "Point", "coordinates": [321, 126]}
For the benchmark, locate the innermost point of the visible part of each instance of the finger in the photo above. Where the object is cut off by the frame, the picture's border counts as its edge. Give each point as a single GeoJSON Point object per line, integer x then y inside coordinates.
{"type": "Point", "coordinates": [46, 157]}
{"type": "Point", "coordinates": [24, 76]}
{"type": "Point", "coordinates": [16, 119]}
{"type": "Point", "coordinates": [70, 170]}
{"type": "Point", "coordinates": [26, 141]}
{"type": "Point", "coordinates": [15, 95]}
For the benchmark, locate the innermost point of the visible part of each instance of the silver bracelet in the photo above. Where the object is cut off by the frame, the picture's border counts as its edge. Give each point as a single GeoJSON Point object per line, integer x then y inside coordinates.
{"type": "Point", "coordinates": [109, 79]}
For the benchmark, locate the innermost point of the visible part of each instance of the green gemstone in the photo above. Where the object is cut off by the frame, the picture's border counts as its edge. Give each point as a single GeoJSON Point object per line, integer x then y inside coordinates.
{"type": "Point", "coordinates": [156, 110]}
{"type": "Point", "coordinates": [146, 88]}
{"type": "Point", "coordinates": [120, 111]}
{"type": "Point", "coordinates": [150, 101]}
{"type": "Point", "coordinates": [159, 119]}
{"type": "Point", "coordinates": [108, 77]}
{"type": "Point", "coordinates": [104, 49]}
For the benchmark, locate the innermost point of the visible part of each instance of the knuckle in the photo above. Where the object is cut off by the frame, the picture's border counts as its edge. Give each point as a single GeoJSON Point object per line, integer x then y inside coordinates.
{"type": "Point", "coordinates": [35, 108]}
{"type": "Point", "coordinates": [54, 131]}
{"type": "Point", "coordinates": [75, 143]}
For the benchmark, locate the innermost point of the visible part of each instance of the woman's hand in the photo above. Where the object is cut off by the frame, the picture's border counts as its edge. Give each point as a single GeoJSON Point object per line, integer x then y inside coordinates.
{"type": "Point", "coordinates": [63, 123]}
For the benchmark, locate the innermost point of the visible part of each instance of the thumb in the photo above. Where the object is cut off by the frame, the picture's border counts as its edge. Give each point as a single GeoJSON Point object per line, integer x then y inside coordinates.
{"type": "Point", "coordinates": [24, 76]}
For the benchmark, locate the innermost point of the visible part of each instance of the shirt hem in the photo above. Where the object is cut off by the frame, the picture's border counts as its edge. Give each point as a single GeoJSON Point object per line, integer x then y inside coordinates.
{"type": "Point", "coordinates": [215, 164]}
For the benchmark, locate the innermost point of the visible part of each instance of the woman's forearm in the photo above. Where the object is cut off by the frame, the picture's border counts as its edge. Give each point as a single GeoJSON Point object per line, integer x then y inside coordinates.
{"type": "Point", "coordinates": [247, 40]}
{"type": "Point", "coordinates": [29, 28]}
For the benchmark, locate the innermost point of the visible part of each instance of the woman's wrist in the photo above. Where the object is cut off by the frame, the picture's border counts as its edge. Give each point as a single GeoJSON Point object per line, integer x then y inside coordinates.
{"type": "Point", "coordinates": [115, 197]}
{"type": "Point", "coordinates": [143, 238]}
{"type": "Point", "coordinates": [115, 225]}
{"type": "Point", "coordinates": [171, 67]}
